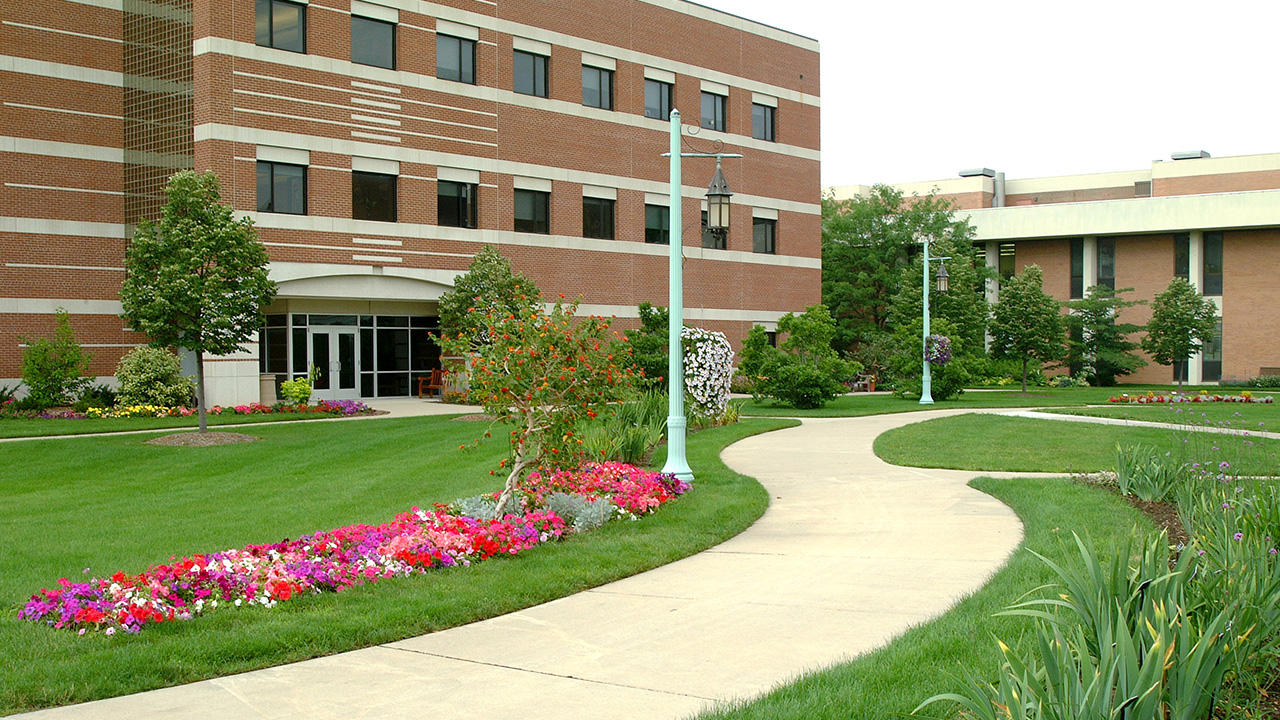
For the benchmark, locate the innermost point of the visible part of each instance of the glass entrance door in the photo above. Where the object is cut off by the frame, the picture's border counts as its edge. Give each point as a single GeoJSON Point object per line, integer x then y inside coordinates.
{"type": "Point", "coordinates": [333, 355]}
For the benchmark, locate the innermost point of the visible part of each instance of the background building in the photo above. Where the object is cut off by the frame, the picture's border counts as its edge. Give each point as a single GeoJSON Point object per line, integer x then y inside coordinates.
{"type": "Point", "coordinates": [379, 145]}
{"type": "Point", "coordinates": [1213, 221]}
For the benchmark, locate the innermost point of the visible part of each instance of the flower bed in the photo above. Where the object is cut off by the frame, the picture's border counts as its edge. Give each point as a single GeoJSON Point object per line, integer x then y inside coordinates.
{"type": "Point", "coordinates": [324, 407]}
{"type": "Point", "coordinates": [335, 560]}
{"type": "Point", "coordinates": [1203, 397]}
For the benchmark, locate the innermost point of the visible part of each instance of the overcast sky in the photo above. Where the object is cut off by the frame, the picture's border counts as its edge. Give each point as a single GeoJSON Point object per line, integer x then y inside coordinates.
{"type": "Point", "coordinates": [920, 89]}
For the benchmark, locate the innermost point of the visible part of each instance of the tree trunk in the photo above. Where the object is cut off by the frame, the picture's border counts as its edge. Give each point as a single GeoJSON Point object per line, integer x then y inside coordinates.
{"type": "Point", "coordinates": [204, 424]}
{"type": "Point", "coordinates": [1024, 375]}
{"type": "Point", "coordinates": [517, 467]}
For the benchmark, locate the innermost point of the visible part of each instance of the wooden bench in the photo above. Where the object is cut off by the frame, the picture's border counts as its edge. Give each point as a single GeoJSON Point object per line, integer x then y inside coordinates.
{"type": "Point", "coordinates": [435, 381]}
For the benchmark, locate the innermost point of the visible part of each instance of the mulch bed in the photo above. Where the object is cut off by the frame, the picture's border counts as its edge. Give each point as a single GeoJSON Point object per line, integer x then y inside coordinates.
{"type": "Point", "coordinates": [1165, 516]}
{"type": "Point", "coordinates": [197, 439]}
{"type": "Point", "coordinates": [476, 417]}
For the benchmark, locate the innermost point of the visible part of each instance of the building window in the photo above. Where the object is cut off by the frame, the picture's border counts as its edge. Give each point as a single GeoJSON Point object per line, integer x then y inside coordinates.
{"type": "Point", "coordinates": [373, 196]}
{"type": "Point", "coordinates": [1077, 268]}
{"type": "Point", "coordinates": [713, 111]}
{"type": "Point", "coordinates": [597, 218]}
{"type": "Point", "coordinates": [1211, 364]}
{"type": "Point", "coordinates": [530, 74]}
{"type": "Point", "coordinates": [1182, 256]}
{"type": "Point", "coordinates": [1007, 267]}
{"type": "Point", "coordinates": [456, 59]}
{"type": "Point", "coordinates": [712, 239]}
{"type": "Point", "coordinates": [282, 188]}
{"type": "Point", "coordinates": [764, 233]}
{"type": "Point", "coordinates": [1212, 263]}
{"type": "Point", "coordinates": [1107, 262]}
{"type": "Point", "coordinates": [657, 99]}
{"type": "Point", "coordinates": [456, 204]}
{"type": "Point", "coordinates": [762, 122]}
{"type": "Point", "coordinates": [373, 42]}
{"type": "Point", "coordinates": [282, 25]}
{"type": "Point", "coordinates": [597, 87]}
{"type": "Point", "coordinates": [533, 212]}
{"type": "Point", "coordinates": [657, 224]}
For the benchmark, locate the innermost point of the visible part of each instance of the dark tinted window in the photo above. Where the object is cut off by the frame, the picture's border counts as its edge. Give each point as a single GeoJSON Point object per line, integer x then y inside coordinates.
{"type": "Point", "coordinates": [1107, 262]}
{"type": "Point", "coordinates": [597, 218]}
{"type": "Point", "coordinates": [762, 122]}
{"type": "Point", "coordinates": [282, 188]}
{"type": "Point", "coordinates": [533, 211]}
{"type": "Point", "coordinates": [530, 74]}
{"type": "Point", "coordinates": [764, 235]}
{"type": "Point", "coordinates": [657, 99]}
{"type": "Point", "coordinates": [597, 87]}
{"type": "Point", "coordinates": [657, 224]}
{"type": "Point", "coordinates": [712, 239]}
{"type": "Point", "coordinates": [456, 59]}
{"type": "Point", "coordinates": [1077, 268]}
{"type": "Point", "coordinates": [1213, 263]}
{"type": "Point", "coordinates": [713, 111]}
{"type": "Point", "coordinates": [456, 204]}
{"type": "Point", "coordinates": [281, 25]}
{"type": "Point", "coordinates": [373, 196]}
{"type": "Point", "coordinates": [1182, 256]}
{"type": "Point", "coordinates": [373, 42]}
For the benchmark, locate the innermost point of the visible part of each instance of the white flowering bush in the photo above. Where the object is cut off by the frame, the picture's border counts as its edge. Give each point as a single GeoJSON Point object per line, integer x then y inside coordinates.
{"type": "Point", "coordinates": [708, 370]}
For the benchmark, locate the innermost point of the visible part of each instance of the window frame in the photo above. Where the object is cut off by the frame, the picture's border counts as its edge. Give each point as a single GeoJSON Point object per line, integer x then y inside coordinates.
{"type": "Point", "coordinates": [270, 5]}
{"type": "Point", "coordinates": [1182, 256]}
{"type": "Point", "coordinates": [770, 131]}
{"type": "Point", "coordinates": [608, 217]}
{"type": "Point", "coordinates": [770, 241]}
{"type": "Point", "coordinates": [1076, 262]}
{"type": "Point", "coordinates": [713, 240]}
{"type": "Point", "coordinates": [719, 120]}
{"type": "Point", "coordinates": [465, 201]}
{"type": "Point", "coordinates": [666, 94]}
{"type": "Point", "coordinates": [542, 201]}
{"type": "Point", "coordinates": [1110, 243]}
{"type": "Point", "coordinates": [602, 75]}
{"type": "Point", "coordinates": [1211, 249]}
{"type": "Point", "coordinates": [463, 44]}
{"type": "Point", "coordinates": [1006, 273]}
{"type": "Point", "coordinates": [271, 202]}
{"type": "Point", "coordinates": [544, 75]}
{"type": "Point", "coordinates": [659, 234]}
{"type": "Point", "coordinates": [395, 191]}
{"type": "Point", "coordinates": [377, 22]}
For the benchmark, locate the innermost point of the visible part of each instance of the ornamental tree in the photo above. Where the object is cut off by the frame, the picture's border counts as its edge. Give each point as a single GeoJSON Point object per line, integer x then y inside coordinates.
{"type": "Point", "coordinates": [1026, 324]}
{"type": "Point", "coordinates": [489, 287]}
{"type": "Point", "coordinates": [866, 245]}
{"type": "Point", "coordinates": [196, 278]}
{"type": "Point", "coordinates": [55, 370]}
{"type": "Point", "coordinates": [1100, 348]}
{"type": "Point", "coordinates": [543, 373]}
{"type": "Point", "coordinates": [804, 371]}
{"type": "Point", "coordinates": [1181, 321]}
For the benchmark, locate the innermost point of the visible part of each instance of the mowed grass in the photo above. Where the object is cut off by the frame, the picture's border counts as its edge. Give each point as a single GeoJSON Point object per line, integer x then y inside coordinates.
{"type": "Point", "coordinates": [934, 657]}
{"type": "Point", "coordinates": [986, 442]}
{"type": "Point", "coordinates": [116, 503]}
{"type": "Point", "coordinates": [23, 428]}
{"type": "Point", "coordinates": [1252, 416]}
{"type": "Point", "coordinates": [861, 404]}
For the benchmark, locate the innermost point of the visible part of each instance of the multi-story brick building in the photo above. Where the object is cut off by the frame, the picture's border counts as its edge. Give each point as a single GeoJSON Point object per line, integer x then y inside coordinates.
{"type": "Point", "coordinates": [379, 144]}
{"type": "Point", "coordinates": [1213, 221]}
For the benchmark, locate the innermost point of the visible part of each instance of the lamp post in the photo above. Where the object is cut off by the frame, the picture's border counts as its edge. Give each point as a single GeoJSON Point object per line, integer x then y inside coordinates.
{"type": "Point", "coordinates": [926, 382]}
{"type": "Point", "coordinates": [717, 219]}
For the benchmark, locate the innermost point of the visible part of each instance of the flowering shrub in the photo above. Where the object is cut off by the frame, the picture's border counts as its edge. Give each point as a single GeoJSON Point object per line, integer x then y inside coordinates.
{"type": "Point", "coordinates": [937, 349]}
{"type": "Point", "coordinates": [708, 370]}
{"type": "Point", "coordinates": [335, 560]}
{"type": "Point", "coordinates": [1203, 397]}
{"type": "Point", "coordinates": [324, 407]}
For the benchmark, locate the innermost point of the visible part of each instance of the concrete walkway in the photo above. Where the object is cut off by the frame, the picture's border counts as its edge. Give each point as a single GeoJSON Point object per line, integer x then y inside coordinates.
{"type": "Point", "coordinates": [1129, 422]}
{"type": "Point", "coordinates": [851, 552]}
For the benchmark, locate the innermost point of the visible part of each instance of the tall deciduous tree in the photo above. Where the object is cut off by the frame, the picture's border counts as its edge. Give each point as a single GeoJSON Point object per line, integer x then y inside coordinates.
{"type": "Point", "coordinates": [489, 287]}
{"type": "Point", "coordinates": [1100, 348]}
{"type": "Point", "coordinates": [197, 277]}
{"type": "Point", "coordinates": [1026, 323]}
{"type": "Point", "coordinates": [866, 244]}
{"type": "Point", "coordinates": [543, 373]}
{"type": "Point", "coordinates": [1181, 321]}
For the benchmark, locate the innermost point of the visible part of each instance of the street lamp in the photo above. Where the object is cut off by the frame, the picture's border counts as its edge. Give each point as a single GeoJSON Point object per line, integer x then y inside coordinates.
{"type": "Point", "coordinates": [926, 383]}
{"type": "Point", "coordinates": [717, 219]}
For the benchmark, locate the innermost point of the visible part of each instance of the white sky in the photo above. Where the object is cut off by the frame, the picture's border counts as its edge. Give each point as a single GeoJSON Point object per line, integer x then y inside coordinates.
{"type": "Point", "coordinates": [920, 89]}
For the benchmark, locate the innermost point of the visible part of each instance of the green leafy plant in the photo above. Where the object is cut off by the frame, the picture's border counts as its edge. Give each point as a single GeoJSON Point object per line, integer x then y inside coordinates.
{"type": "Point", "coordinates": [489, 288]}
{"type": "Point", "coordinates": [1099, 345]}
{"type": "Point", "coordinates": [1026, 325]}
{"type": "Point", "coordinates": [153, 376]}
{"type": "Point", "coordinates": [54, 369]}
{"type": "Point", "coordinates": [627, 431]}
{"type": "Point", "coordinates": [1181, 321]}
{"type": "Point", "coordinates": [948, 380]}
{"type": "Point", "coordinates": [1141, 471]}
{"type": "Point", "coordinates": [804, 371]}
{"type": "Point", "coordinates": [297, 391]}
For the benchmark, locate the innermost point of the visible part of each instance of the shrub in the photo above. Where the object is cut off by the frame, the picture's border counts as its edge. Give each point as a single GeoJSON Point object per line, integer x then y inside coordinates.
{"type": "Point", "coordinates": [297, 390]}
{"type": "Point", "coordinates": [152, 376]}
{"type": "Point", "coordinates": [95, 396]}
{"type": "Point", "coordinates": [54, 369]}
{"type": "Point", "coordinates": [628, 431]}
{"type": "Point", "coordinates": [947, 380]}
{"type": "Point", "coordinates": [804, 372]}
{"type": "Point", "coordinates": [583, 513]}
{"type": "Point", "coordinates": [1265, 381]}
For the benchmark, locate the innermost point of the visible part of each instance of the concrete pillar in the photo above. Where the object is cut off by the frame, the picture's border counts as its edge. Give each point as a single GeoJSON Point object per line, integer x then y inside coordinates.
{"type": "Point", "coordinates": [1195, 274]}
{"type": "Point", "coordinates": [1090, 262]}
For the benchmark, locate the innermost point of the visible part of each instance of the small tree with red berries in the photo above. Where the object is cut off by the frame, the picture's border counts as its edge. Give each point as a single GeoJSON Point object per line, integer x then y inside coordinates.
{"type": "Point", "coordinates": [544, 373]}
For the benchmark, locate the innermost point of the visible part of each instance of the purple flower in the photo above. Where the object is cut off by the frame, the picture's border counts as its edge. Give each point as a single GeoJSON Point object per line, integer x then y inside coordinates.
{"type": "Point", "coordinates": [1238, 536]}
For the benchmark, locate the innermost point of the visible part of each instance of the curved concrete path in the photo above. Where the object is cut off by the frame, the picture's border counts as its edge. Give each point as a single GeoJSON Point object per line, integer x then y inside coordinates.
{"type": "Point", "coordinates": [851, 552]}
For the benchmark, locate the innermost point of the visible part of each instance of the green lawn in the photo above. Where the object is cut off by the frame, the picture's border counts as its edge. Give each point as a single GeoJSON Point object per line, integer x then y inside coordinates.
{"type": "Point", "coordinates": [1238, 414]}
{"type": "Point", "coordinates": [14, 427]}
{"type": "Point", "coordinates": [115, 503]}
{"type": "Point", "coordinates": [930, 658]}
{"type": "Point", "coordinates": [995, 443]}
{"type": "Point", "coordinates": [860, 404]}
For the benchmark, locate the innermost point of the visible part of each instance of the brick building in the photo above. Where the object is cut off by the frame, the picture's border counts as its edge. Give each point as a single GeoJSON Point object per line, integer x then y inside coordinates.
{"type": "Point", "coordinates": [1213, 221]}
{"type": "Point", "coordinates": [379, 144]}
